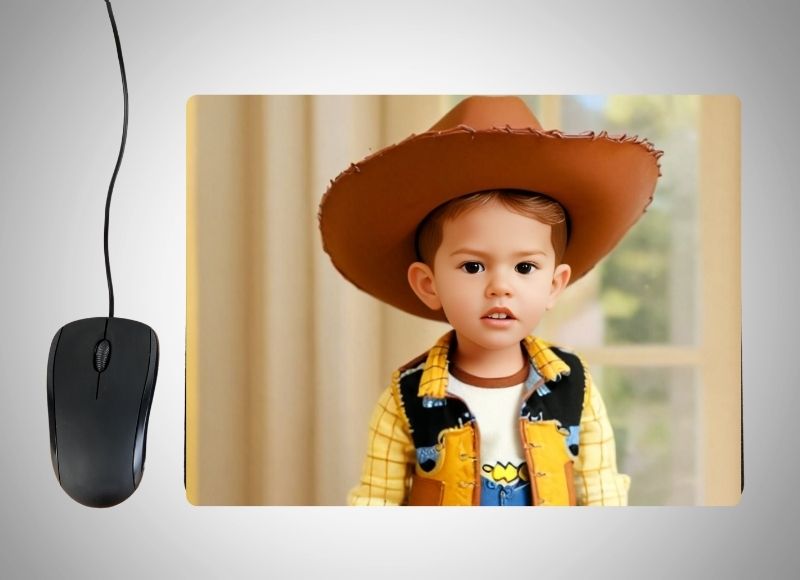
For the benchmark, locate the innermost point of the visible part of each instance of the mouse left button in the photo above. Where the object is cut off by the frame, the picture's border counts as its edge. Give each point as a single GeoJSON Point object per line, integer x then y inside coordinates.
{"type": "Point", "coordinates": [71, 384]}
{"type": "Point", "coordinates": [74, 356]}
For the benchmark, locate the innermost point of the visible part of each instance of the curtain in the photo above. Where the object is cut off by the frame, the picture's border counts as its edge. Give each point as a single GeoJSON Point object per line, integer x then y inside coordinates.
{"type": "Point", "coordinates": [284, 358]}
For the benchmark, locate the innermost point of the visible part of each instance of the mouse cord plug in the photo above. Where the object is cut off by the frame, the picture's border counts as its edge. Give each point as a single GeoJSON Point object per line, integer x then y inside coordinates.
{"type": "Point", "coordinates": [119, 159]}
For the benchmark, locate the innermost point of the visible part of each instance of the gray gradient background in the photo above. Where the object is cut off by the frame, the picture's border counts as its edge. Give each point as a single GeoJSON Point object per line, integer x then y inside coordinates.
{"type": "Point", "coordinates": [59, 130]}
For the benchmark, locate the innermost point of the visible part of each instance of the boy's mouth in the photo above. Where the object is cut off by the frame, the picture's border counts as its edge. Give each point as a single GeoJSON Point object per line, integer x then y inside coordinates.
{"type": "Point", "coordinates": [499, 314]}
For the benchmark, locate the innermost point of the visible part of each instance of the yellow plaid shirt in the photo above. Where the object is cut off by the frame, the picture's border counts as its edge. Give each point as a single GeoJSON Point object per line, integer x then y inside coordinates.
{"type": "Point", "coordinates": [390, 460]}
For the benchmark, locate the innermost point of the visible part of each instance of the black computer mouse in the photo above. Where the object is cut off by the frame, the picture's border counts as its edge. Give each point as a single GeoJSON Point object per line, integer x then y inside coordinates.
{"type": "Point", "coordinates": [100, 380]}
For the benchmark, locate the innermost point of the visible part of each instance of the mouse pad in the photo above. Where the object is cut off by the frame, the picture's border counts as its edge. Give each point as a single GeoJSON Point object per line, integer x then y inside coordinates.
{"type": "Point", "coordinates": [286, 360]}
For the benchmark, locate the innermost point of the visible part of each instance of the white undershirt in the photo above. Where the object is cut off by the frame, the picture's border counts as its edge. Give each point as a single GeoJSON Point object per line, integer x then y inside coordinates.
{"type": "Point", "coordinates": [496, 410]}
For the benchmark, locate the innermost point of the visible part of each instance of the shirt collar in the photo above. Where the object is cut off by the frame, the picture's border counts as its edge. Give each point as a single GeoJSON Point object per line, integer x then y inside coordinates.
{"type": "Point", "coordinates": [433, 382]}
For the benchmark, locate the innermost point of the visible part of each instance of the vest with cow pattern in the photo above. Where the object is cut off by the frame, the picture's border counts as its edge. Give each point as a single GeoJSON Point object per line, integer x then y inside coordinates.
{"type": "Point", "coordinates": [446, 437]}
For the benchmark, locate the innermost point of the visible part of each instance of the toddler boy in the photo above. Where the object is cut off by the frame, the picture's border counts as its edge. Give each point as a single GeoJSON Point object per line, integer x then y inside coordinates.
{"type": "Point", "coordinates": [487, 219]}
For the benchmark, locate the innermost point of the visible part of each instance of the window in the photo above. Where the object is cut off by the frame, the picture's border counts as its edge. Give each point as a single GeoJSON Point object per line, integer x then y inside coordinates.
{"type": "Point", "coordinates": [649, 318]}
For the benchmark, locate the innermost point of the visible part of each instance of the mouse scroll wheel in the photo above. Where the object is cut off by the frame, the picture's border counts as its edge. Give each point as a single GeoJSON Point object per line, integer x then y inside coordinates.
{"type": "Point", "coordinates": [102, 353]}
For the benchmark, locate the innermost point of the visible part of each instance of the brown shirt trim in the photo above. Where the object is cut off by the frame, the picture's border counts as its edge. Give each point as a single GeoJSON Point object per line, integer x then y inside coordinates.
{"type": "Point", "coordinates": [509, 381]}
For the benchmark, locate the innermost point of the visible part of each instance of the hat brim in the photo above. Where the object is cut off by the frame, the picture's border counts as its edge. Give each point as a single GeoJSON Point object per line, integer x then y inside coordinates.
{"type": "Point", "coordinates": [370, 213]}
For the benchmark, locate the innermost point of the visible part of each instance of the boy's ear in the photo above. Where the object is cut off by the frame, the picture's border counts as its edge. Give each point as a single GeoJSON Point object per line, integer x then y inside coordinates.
{"type": "Point", "coordinates": [560, 280]}
{"type": "Point", "coordinates": [422, 282]}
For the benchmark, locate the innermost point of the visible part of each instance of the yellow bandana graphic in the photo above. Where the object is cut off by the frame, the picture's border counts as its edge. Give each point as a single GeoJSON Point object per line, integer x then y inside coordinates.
{"type": "Point", "coordinates": [509, 473]}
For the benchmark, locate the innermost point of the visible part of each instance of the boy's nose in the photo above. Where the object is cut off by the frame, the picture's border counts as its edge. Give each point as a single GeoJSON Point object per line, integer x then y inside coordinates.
{"type": "Point", "coordinates": [498, 286]}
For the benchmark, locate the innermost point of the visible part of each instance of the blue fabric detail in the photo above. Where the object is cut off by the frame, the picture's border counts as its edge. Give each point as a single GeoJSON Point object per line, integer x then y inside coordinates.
{"type": "Point", "coordinates": [533, 378]}
{"type": "Point", "coordinates": [495, 494]}
{"type": "Point", "coordinates": [573, 439]}
{"type": "Point", "coordinates": [427, 454]}
{"type": "Point", "coordinates": [431, 402]}
{"type": "Point", "coordinates": [574, 435]}
{"type": "Point", "coordinates": [543, 390]}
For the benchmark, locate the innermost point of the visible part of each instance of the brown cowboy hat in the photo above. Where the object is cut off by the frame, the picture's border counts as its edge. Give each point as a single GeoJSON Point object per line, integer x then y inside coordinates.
{"type": "Point", "coordinates": [370, 213]}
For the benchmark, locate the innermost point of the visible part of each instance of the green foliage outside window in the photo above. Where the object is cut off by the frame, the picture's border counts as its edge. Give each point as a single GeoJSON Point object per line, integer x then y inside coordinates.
{"type": "Point", "coordinates": [648, 296]}
{"type": "Point", "coordinates": [641, 302]}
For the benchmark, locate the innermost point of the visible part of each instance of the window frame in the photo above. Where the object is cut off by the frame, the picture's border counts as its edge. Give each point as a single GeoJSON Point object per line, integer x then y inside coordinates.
{"type": "Point", "coordinates": [716, 356]}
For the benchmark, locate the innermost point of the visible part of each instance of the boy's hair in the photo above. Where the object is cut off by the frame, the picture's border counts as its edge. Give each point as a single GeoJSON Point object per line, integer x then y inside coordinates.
{"type": "Point", "coordinates": [529, 204]}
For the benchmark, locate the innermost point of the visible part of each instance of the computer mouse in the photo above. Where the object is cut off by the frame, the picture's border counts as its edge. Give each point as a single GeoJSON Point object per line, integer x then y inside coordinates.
{"type": "Point", "coordinates": [101, 374]}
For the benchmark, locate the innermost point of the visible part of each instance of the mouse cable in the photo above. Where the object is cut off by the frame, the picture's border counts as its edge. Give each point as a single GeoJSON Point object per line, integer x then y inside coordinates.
{"type": "Point", "coordinates": [119, 159]}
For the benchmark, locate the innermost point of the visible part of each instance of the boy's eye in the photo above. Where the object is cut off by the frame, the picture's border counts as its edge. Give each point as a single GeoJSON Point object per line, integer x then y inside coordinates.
{"type": "Point", "coordinates": [472, 267]}
{"type": "Point", "coordinates": [525, 267]}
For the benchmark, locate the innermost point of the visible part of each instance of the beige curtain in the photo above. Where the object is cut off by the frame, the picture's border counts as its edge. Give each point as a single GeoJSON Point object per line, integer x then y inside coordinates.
{"type": "Point", "coordinates": [284, 358]}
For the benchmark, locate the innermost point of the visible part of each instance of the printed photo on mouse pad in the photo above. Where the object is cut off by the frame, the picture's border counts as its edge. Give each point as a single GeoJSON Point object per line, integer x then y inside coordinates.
{"type": "Point", "coordinates": [463, 300]}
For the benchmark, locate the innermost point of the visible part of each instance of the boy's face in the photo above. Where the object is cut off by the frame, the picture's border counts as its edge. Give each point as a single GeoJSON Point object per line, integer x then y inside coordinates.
{"type": "Point", "coordinates": [494, 275]}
